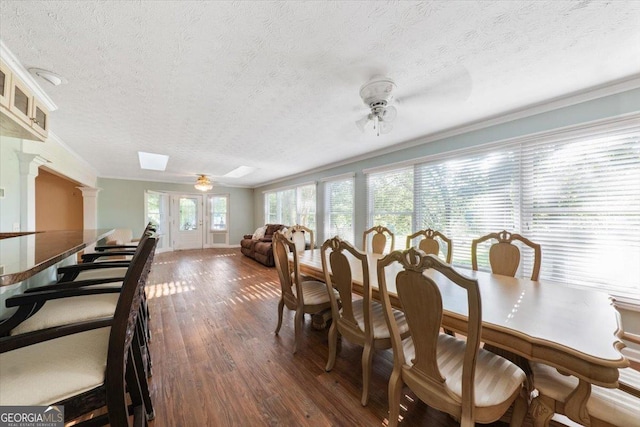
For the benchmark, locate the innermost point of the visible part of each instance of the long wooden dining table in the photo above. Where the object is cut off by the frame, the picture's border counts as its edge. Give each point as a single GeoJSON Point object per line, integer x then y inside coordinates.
{"type": "Point", "coordinates": [571, 329]}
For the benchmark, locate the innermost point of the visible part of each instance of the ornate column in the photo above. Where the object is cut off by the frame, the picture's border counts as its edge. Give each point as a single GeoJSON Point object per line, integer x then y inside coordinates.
{"type": "Point", "coordinates": [89, 210]}
{"type": "Point", "coordinates": [90, 207]}
{"type": "Point", "coordinates": [29, 164]}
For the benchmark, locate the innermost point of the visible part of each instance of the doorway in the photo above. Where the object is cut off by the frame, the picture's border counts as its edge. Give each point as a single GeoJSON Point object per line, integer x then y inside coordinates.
{"type": "Point", "coordinates": [187, 221]}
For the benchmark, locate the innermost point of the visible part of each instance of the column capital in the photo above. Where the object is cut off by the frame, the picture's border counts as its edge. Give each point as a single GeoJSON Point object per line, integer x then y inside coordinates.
{"type": "Point", "coordinates": [29, 163]}
{"type": "Point", "coordinates": [89, 191]}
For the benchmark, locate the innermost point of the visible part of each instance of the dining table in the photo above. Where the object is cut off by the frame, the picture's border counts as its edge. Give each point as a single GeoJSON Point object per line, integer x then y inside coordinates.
{"type": "Point", "coordinates": [572, 329]}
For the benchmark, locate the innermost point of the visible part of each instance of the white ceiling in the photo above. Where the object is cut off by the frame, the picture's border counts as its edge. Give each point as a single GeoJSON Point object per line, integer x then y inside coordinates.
{"type": "Point", "coordinates": [274, 85]}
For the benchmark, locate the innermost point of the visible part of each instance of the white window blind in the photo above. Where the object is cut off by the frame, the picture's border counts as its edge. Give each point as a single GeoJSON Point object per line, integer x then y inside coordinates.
{"type": "Point", "coordinates": [291, 206]}
{"type": "Point", "coordinates": [576, 194]}
{"type": "Point", "coordinates": [390, 202]}
{"type": "Point", "coordinates": [339, 208]}
{"type": "Point", "coordinates": [467, 197]}
{"type": "Point", "coordinates": [581, 202]}
{"type": "Point", "coordinates": [306, 206]}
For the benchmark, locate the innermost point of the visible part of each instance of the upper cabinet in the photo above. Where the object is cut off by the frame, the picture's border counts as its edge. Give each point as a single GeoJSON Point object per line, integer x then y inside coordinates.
{"type": "Point", "coordinates": [5, 85]}
{"type": "Point", "coordinates": [22, 115]}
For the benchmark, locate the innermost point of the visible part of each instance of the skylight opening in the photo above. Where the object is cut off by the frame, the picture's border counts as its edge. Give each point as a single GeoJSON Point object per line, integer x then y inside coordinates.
{"type": "Point", "coordinates": [240, 171]}
{"type": "Point", "coordinates": [151, 161]}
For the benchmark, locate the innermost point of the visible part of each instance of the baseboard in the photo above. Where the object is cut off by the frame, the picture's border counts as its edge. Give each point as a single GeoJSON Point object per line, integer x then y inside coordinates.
{"type": "Point", "coordinates": [221, 246]}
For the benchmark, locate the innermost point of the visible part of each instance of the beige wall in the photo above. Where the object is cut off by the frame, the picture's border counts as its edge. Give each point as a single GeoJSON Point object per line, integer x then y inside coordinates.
{"type": "Point", "coordinates": [58, 203]}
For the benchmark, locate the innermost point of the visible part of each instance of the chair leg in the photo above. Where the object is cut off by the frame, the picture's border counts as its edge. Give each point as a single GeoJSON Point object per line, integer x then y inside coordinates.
{"type": "Point", "coordinates": [395, 390]}
{"type": "Point", "coordinates": [142, 379]}
{"type": "Point", "coordinates": [298, 323]}
{"type": "Point", "coordinates": [135, 392]}
{"type": "Point", "coordinates": [333, 346]}
{"type": "Point", "coordinates": [367, 356]}
{"type": "Point", "coordinates": [520, 407]}
{"type": "Point", "coordinates": [541, 412]}
{"type": "Point", "coordinates": [280, 310]}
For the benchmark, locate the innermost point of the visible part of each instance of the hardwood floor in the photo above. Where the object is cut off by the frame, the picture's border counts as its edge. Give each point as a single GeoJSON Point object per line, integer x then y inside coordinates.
{"type": "Point", "coordinates": [217, 362]}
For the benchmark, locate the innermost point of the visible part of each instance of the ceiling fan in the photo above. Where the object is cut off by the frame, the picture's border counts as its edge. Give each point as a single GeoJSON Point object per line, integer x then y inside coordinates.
{"type": "Point", "coordinates": [377, 93]}
{"type": "Point", "coordinates": [448, 86]}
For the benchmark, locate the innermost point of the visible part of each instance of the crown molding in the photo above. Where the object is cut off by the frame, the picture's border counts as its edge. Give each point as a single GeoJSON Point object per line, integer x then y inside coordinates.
{"type": "Point", "coordinates": [18, 69]}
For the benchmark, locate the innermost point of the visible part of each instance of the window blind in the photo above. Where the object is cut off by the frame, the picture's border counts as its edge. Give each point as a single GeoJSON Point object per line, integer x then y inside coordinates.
{"type": "Point", "coordinates": [467, 197]}
{"type": "Point", "coordinates": [390, 202]}
{"type": "Point", "coordinates": [576, 194]}
{"type": "Point", "coordinates": [581, 202]}
{"type": "Point", "coordinates": [339, 208]}
{"type": "Point", "coordinates": [291, 206]}
{"type": "Point", "coordinates": [306, 206]}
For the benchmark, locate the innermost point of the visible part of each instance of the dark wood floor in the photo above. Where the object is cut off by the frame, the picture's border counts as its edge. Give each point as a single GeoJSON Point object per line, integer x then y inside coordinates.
{"type": "Point", "coordinates": [217, 361]}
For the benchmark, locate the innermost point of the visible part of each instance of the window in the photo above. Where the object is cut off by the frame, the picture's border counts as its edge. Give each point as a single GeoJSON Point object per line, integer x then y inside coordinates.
{"type": "Point", "coordinates": [156, 204]}
{"type": "Point", "coordinates": [390, 201]}
{"type": "Point", "coordinates": [581, 202]}
{"type": "Point", "coordinates": [339, 208]}
{"type": "Point", "coordinates": [188, 215]}
{"type": "Point", "coordinates": [467, 197]}
{"type": "Point", "coordinates": [576, 193]}
{"type": "Point", "coordinates": [292, 206]}
{"type": "Point", "coordinates": [219, 213]}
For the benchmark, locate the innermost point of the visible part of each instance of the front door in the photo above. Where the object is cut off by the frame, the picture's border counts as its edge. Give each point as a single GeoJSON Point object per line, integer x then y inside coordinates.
{"type": "Point", "coordinates": [187, 221]}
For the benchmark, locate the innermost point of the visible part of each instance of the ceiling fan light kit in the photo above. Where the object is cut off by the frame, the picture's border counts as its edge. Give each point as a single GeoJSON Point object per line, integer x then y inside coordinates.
{"type": "Point", "coordinates": [377, 94]}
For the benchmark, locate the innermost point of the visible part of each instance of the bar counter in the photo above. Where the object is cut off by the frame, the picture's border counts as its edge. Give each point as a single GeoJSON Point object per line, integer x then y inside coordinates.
{"type": "Point", "coordinates": [24, 256]}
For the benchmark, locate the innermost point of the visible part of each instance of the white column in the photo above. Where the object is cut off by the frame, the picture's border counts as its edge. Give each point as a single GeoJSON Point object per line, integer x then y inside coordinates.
{"type": "Point", "coordinates": [90, 207]}
{"type": "Point", "coordinates": [29, 164]}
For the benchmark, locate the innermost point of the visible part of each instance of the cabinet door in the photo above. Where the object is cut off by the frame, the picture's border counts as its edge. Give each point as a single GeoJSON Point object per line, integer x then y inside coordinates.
{"type": "Point", "coordinates": [5, 85]}
{"type": "Point", "coordinates": [21, 101]}
{"type": "Point", "coordinates": [40, 119]}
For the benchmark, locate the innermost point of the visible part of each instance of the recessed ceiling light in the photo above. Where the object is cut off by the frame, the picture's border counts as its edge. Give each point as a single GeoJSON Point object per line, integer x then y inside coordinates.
{"type": "Point", "coordinates": [240, 171]}
{"type": "Point", "coordinates": [151, 161]}
{"type": "Point", "coordinates": [50, 76]}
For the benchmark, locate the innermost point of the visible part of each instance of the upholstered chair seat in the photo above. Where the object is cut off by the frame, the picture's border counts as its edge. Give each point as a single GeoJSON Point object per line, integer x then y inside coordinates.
{"type": "Point", "coordinates": [378, 323]}
{"type": "Point", "coordinates": [54, 370]}
{"type": "Point", "coordinates": [65, 311]}
{"type": "Point", "coordinates": [489, 367]}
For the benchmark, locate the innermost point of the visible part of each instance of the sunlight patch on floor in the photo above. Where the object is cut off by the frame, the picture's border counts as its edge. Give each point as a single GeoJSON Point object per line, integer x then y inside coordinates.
{"type": "Point", "coordinates": [168, 288]}
{"type": "Point", "coordinates": [259, 291]}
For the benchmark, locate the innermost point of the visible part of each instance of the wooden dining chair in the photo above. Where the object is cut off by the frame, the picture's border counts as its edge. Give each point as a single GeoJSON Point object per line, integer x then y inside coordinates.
{"type": "Point", "coordinates": [378, 239]}
{"type": "Point", "coordinates": [360, 320]}
{"type": "Point", "coordinates": [299, 234]}
{"type": "Point", "coordinates": [86, 365]}
{"type": "Point", "coordinates": [301, 296]}
{"type": "Point", "coordinates": [429, 242]}
{"type": "Point", "coordinates": [606, 407]}
{"type": "Point", "coordinates": [504, 256]}
{"type": "Point", "coordinates": [452, 375]}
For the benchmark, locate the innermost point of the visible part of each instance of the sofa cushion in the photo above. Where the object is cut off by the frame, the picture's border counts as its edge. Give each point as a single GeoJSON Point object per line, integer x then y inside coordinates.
{"type": "Point", "coordinates": [263, 247]}
{"type": "Point", "coordinates": [271, 229]}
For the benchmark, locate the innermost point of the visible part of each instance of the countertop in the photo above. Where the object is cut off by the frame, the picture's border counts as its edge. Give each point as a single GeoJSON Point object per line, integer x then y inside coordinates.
{"type": "Point", "coordinates": [24, 256]}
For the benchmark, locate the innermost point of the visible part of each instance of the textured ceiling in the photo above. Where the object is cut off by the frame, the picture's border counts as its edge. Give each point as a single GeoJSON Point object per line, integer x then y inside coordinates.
{"type": "Point", "coordinates": [274, 85]}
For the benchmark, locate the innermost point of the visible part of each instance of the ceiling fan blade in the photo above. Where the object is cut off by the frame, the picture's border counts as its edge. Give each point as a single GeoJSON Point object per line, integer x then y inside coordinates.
{"type": "Point", "coordinates": [453, 84]}
{"type": "Point", "coordinates": [389, 114]}
{"type": "Point", "coordinates": [362, 123]}
{"type": "Point", "coordinates": [385, 127]}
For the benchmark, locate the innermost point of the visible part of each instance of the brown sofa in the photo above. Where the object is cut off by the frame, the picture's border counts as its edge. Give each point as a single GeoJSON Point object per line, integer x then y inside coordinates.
{"type": "Point", "coordinates": [261, 250]}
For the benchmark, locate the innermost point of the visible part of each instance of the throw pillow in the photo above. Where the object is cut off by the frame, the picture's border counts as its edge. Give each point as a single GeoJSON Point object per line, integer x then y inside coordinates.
{"type": "Point", "coordinates": [259, 234]}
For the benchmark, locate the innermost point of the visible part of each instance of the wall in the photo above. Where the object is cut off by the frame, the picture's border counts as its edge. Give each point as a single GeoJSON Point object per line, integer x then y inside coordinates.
{"type": "Point", "coordinates": [10, 182]}
{"type": "Point", "coordinates": [588, 111]}
{"type": "Point", "coordinates": [121, 204]}
{"type": "Point", "coordinates": [58, 203]}
{"type": "Point", "coordinates": [58, 158]}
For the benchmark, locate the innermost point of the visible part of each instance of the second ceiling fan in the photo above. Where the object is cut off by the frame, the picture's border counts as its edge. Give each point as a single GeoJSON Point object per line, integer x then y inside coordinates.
{"type": "Point", "coordinates": [377, 94]}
